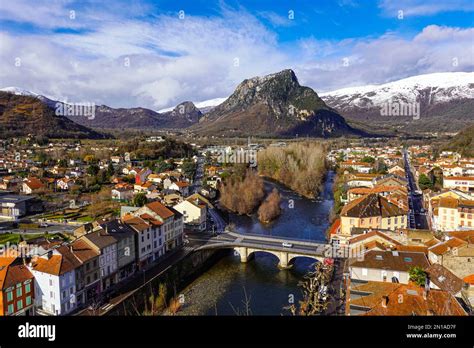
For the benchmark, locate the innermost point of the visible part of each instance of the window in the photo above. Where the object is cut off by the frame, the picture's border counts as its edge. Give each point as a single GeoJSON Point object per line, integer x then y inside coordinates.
{"type": "Point", "coordinates": [28, 300]}
{"type": "Point", "coordinates": [11, 308]}
{"type": "Point", "coordinates": [10, 296]}
{"type": "Point", "coordinates": [27, 288]}
{"type": "Point", "coordinates": [19, 291]}
{"type": "Point", "coordinates": [19, 305]}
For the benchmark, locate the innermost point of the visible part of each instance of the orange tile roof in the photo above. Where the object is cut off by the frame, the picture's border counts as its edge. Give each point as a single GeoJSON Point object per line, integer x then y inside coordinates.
{"type": "Point", "coordinates": [151, 219]}
{"type": "Point", "coordinates": [50, 266]}
{"type": "Point", "coordinates": [469, 279]}
{"type": "Point", "coordinates": [335, 226]}
{"type": "Point", "coordinates": [467, 236]}
{"type": "Point", "coordinates": [442, 248]}
{"type": "Point", "coordinates": [437, 302]}
{"type": "Point", "coordinates": [181, 184]}
{"type": "Point", "coordinates": [135, 222]}
{"type": "Point", "coordinates": [466, 178]}
{"type": "Point", "coordinates": [371, 234]}
{"type": "Point", "coordinates": [34, 183]}
{"type": "Point", "coordinates": [12, 272]}
{"type": "Point", "coordinates": [160, 210]}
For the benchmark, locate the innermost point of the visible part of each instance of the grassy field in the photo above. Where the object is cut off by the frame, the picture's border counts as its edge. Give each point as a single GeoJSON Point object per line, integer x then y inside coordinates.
{"type": "Point", "coordinates": [14, 238]}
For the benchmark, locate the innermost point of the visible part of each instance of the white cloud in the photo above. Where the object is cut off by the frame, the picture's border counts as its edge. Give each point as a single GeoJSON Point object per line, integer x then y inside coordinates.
{"type": "Point", "coordinates": [424, 7]}
{"type": "Point", "coordinates": [159, 63]}
{"type": "Point", "coordinates": [390, 57]}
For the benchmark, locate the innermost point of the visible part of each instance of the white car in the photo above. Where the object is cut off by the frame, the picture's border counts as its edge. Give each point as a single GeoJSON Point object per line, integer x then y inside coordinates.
{"type": "Point", "coordinates": [287, 245]}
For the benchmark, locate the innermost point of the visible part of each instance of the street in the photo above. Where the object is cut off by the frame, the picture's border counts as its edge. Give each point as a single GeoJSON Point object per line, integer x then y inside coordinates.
{"type": "Point", "coordinates": [417, 216]}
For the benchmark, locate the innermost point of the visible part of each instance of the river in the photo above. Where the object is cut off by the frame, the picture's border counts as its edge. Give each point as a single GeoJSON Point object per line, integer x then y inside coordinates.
{"type": "Point", "coordinates": [228, 285]}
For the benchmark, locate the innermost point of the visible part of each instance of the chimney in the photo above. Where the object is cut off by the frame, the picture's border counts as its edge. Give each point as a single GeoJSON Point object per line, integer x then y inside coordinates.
{"type": "Point", "coordinates": [384, 301]}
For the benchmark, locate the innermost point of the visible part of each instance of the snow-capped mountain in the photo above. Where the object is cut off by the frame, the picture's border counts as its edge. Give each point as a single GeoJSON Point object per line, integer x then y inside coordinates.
{"type": "Point", "coordinates": [18, 91]}
{"type": "Point", "coordinates": [445, 101]}
{"type": "Point", "coordinates": [430, 88]}
{"type": "Point", "coordinates": [203, 106]}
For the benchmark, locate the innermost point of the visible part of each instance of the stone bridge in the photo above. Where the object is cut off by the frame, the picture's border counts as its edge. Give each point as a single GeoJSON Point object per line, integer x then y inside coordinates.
{"type": "Point", "coordinates": [247, 244]}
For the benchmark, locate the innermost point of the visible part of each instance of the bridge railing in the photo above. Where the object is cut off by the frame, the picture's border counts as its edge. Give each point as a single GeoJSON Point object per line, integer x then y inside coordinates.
{"type": "Point", "coordinates": [276, 238]}
{"type": "Point", "coordinates": [319, 249]}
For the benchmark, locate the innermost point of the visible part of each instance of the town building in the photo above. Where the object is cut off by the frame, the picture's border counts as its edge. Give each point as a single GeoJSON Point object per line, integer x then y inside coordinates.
{"type": "Point", "coordinates": [17, 291]}
{"type": "Point", "coordinates": [55, 281]}
{"type": "Point", "coordinates": [371, 212]}
{"type": "Point", "coordinates": [194, 210]}
{"type": "Point", "coordinates": [463, 183]}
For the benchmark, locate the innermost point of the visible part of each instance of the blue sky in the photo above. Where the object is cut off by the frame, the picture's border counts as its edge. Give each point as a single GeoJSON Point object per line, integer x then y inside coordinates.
{"type": "Point", "coordinates": [158, 53]}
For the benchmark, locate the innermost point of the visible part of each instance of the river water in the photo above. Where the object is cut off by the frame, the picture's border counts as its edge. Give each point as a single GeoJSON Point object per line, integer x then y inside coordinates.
{"type": "Point", "coordinates": [259, 287]}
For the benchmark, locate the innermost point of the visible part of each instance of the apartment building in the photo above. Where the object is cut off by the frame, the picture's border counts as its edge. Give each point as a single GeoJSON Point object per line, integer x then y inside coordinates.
{"type": "Point", "coordinates": [16, 287]}
{"type": "Point", "coordinates": [454, 214]}
{"type": "Point", "coordinates": [372, 212]}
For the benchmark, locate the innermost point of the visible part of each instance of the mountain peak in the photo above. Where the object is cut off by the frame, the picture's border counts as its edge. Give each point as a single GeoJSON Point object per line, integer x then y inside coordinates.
{"type": "Point", "coordinates": [18, 91]}
{"type": "Point", "coordinates": [274, 104]}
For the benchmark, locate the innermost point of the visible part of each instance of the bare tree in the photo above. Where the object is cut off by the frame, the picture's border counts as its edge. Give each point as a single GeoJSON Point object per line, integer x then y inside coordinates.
{"type": "Point", "coordinates": [315, 287]}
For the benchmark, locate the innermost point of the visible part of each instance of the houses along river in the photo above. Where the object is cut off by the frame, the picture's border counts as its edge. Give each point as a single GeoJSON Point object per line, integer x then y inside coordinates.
{"type": "Point", "coordinates": [227, 285]}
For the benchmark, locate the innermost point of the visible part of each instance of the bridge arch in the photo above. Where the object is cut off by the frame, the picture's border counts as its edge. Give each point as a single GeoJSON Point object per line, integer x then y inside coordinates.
{"type": "Point", "coordinates": [293, 257]}
{"type": "Point", "coordinates": [252, 252]}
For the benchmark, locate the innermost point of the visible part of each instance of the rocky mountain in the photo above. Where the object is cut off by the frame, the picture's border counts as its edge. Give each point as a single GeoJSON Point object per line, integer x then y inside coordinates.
{"type": "Point", "coordinates": [25, 114]}
{"type": "Point", "coordinates": [445, 102]}
{"type": "Point", "coordinates": [273, 105]}
{"type": "Point", "coordinates": [203, 106]}
{"type": "Point", "coordinates": [182, 116]}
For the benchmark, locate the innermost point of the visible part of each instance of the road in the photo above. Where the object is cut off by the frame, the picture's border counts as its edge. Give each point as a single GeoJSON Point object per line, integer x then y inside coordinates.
{"type": "Point", "coordinates": [197, 182]}
{"type": "Point", "coordinates": [218, 220]}
{"type": "Point", "coordinates": [233, 239]}
{"type": "Point", "coordinates": [60, 228]}
{"type": "Point", "coordinates": [417, 216]}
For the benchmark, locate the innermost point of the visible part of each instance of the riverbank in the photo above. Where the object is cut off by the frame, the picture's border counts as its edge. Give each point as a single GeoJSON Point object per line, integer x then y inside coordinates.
{"type": "Point", "coordinates": [217, 283]}
{"type": "Point", "coordinates": [175, 277]}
